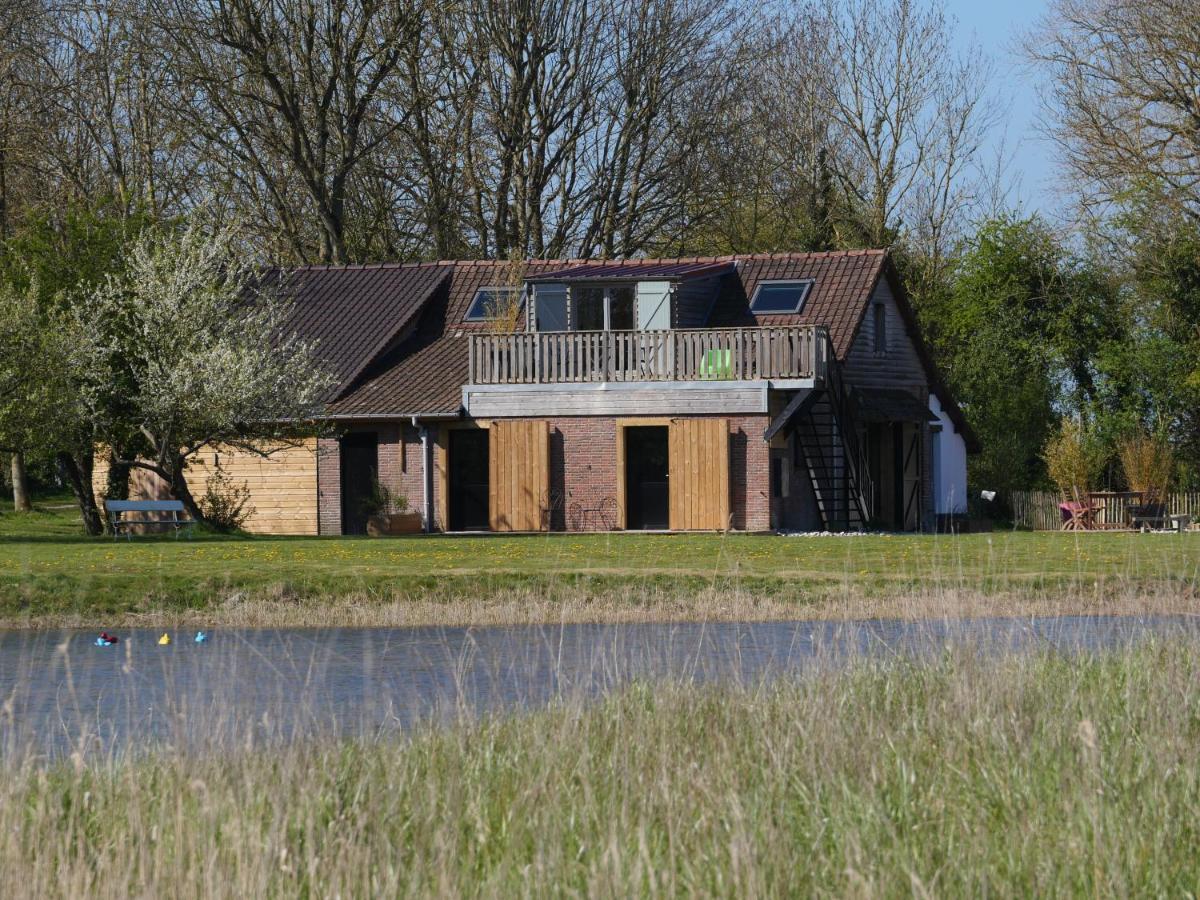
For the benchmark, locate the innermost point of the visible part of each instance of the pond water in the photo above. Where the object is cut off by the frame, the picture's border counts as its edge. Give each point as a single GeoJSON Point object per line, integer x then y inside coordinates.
{"type": "Point", "coordinates": [59, 693]}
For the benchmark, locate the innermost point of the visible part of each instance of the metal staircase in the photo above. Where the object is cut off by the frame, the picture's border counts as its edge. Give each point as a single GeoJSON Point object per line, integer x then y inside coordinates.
{"type": "Point", "coordinates": [825, 421]}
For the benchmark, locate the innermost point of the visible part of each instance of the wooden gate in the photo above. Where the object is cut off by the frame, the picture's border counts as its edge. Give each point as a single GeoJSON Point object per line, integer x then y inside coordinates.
{"type": "Point", "coordinates": [699, 474]}
{"type": "Point", "coordinates": [519, 475]}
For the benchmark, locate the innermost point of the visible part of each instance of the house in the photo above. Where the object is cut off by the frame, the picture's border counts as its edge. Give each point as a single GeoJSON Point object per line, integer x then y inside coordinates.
{"type": "Point", "coordinates": [783, 391]}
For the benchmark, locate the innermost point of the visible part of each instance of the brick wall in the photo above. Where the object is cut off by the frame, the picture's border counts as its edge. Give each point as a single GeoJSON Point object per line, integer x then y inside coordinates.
{"type": "Point", "coordinates": [583, 472]}
{"type": "Point", "coordinates": [399, 470]}
{"type": "Point", "coordinates": [750, 473]}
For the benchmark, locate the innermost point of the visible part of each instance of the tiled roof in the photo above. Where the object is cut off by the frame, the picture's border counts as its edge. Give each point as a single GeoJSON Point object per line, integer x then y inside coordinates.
{"type": "Point", "coordinates": [426, 373]}
{"type": "Point", "coordinates": [357, 306]}
{"type": "Point", "coordinates": [842, 284]}
{"type": "Point", "coordinates": [639, 268]}
{"type": "Point", "coordinates": [354, 313]}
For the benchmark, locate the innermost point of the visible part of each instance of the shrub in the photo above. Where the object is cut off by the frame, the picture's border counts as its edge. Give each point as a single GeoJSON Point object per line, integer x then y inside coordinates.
{"type": "Point", "coordinates": [1148, 462]}
{"type": "Point", "coordinates": [225, 503]}
{"type": "Point", "coordinates": [382, 502]}
{"type": "Point", "coordinates": [1073, 458]}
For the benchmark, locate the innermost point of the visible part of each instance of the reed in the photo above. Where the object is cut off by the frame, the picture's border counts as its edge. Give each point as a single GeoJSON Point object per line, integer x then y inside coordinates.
{"type": "Point", "coordinates": [1005, 776]}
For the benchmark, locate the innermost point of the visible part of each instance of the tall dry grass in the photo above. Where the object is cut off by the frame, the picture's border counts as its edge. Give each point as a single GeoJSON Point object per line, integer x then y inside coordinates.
{"type": "Point", "coordinates": [1148, 463]}
{"type": "Point", "coordinates": [1010, 776]}
{"type": "Point", "coordinates": [1073, 458]}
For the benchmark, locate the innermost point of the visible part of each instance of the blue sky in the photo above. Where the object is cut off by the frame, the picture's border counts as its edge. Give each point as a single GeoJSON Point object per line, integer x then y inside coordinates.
{"type": "Point", "coordinates": [997, 26]}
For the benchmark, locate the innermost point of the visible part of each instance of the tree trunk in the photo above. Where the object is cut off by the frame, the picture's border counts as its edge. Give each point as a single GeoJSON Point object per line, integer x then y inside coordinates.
{"type": "Point", "coordinates": [79, 475]}
{"type": "Point", "coordinates": [20, 483]}
{"type": "Point", "coordinates": [181, 492]}
{"type": "Point", "coordinates": [117, 486]}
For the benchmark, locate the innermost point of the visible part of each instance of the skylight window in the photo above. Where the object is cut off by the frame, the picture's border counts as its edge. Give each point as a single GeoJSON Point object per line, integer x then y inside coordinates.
{"type": "Point", "coordinates": [780, 297]}
{"type": "Point", "coordinates": [493, 303]}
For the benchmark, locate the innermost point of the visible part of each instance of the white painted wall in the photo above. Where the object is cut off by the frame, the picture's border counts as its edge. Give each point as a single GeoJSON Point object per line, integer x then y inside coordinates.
{"type": "Point", "coordinates": [949, 464]}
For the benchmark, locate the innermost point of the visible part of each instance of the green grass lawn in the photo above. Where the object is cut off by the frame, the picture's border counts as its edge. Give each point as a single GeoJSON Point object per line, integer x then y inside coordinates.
{"type": "Point", "coordinates": [47, 567]}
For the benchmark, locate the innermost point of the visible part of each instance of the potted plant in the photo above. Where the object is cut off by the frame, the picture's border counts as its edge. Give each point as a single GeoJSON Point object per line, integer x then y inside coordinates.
{"type": "Point", "coordinates": [388, 513]}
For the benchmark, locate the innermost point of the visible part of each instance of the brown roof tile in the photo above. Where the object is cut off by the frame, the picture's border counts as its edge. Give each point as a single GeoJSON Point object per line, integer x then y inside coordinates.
{"type": "Point", "coordinates": [425, 374]}
{"type": "Point", "coordinates": [842, 284]}
{"type": "Point", "coordinates": [354, 313]}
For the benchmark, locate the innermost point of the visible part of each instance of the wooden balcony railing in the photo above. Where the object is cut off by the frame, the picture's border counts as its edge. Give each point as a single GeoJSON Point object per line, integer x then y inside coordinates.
{"type": "Point", "coordinates": [726, 354]}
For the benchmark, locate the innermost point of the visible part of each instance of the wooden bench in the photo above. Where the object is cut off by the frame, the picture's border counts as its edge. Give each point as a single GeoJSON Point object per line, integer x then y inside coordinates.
{"type": "Point", "coordinates": [117, 508]}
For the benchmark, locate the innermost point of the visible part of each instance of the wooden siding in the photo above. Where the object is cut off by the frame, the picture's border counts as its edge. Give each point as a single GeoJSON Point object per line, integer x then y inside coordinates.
{"type": "Point", "coordinates": [616, 400]}
{"type": "Point", "coordinates": [698, 460]}
{"type": "Point", "coordinates": [518, 475]}
{"type": "Point", "coordinates": [693, 302]}
{"type": "Point", "coordinates": [897, 367]}
{"type": "Point", "coordinates": [283, 486]}
{"type": "Point", "coordinates": [653, 305]}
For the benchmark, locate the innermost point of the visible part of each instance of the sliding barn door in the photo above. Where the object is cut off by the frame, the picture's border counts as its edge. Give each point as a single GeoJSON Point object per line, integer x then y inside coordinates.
{"type": "Point", "coordinates": [699, 474]}
{"type": "Point", "coordinates": [519, 475]}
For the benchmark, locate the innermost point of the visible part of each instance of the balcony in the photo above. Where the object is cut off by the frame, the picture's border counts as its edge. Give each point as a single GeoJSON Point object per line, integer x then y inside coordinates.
{"type": "Point", "coordinates": [784, 353]}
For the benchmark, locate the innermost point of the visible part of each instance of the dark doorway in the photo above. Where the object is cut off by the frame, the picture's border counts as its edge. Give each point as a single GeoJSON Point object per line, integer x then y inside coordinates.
{"type": "Point", "coordinates": [359, 454]}
{"type": "Point", "coordinates": [468, 476]}
{"type": "Point", "coordinates": [647, 489]}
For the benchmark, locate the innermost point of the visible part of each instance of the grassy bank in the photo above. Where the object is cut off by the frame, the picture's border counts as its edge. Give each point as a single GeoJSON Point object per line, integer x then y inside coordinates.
{"type": "Point", "coordinates": [1017, 776]}
{"type": "Point", "coordinates": [51, 575]}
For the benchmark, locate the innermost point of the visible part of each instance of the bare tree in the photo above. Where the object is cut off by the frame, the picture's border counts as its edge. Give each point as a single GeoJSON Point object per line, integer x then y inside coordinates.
{"type": "Point", "coordinates": [767, 183]}
{"type": "Point", "coordinates": [94, 104]}
{"type": "Point", "coordinates": [911, 113]}
{"type": "Point", "coordinates": [1124, 94]}
{"type": "Point", "coordinates": [669, 62]}
{"type": "Point", "coordinates": [20, 23]}
{"type": "Point", "coordinates": [540, 61]}
{"type": "Point", "coordinates": [426, 172]}
{"type": "Point", "coordinates": [285, 99]}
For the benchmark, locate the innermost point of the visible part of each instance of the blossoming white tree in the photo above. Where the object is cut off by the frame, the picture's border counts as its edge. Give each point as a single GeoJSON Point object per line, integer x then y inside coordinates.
{"type": "Point", "coordinates": [188, 348]}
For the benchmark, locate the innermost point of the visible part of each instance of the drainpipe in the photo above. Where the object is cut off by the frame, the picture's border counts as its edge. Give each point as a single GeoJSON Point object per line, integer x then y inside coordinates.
{"type": "Point", "coordinates": [426, 477]}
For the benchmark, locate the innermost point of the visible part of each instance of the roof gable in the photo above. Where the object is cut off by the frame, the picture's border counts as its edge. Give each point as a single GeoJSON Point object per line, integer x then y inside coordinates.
{"type": "Point", "coordinates": [842, 286]}
{"type": "Point", "coordinates": [354, 313]}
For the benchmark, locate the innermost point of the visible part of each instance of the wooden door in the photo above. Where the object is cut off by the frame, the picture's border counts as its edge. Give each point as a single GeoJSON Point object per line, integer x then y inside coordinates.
{"type": "Point", "coordinates": [468, 469]}
{"type": "Point", "coordinates": [519, 474]}
{"type": "Point", "coordinates": [911, 475]}
{"type": "Point", "coordinates": [699, 474]}
{"type": "Point", "coordinates": [359, 463]}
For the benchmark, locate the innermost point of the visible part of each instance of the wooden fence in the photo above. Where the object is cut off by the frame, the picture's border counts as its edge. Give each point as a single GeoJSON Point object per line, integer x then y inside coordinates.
{"type": "Point", "coordinates": [1039, 509]}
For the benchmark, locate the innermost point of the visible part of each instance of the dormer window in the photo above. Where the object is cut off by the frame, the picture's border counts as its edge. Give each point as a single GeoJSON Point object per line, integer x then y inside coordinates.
{"type": "Point", "coordinates": [491, 303]}
{"type": "Point", "coordinates": [780, 297]}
